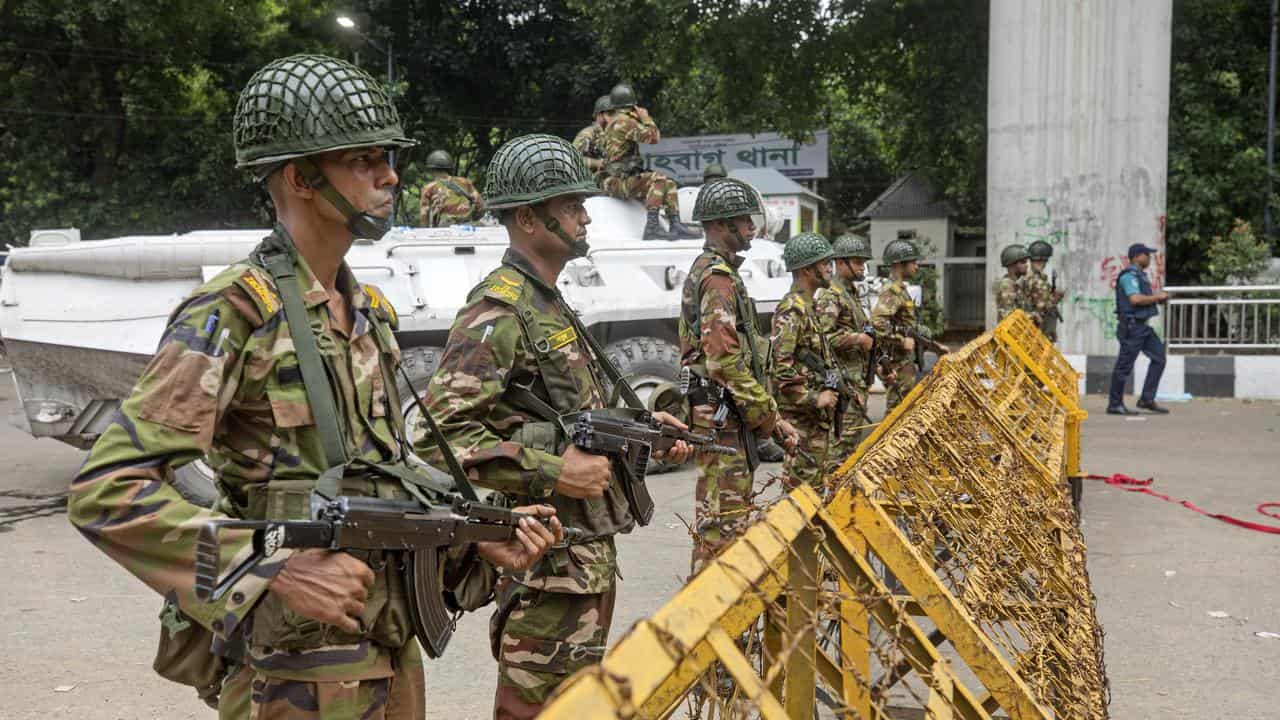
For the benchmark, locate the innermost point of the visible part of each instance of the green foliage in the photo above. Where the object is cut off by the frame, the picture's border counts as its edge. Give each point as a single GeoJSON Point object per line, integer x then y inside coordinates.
{"type": "Point", "coordinates": [1237, 258]}
{"type": "Point", "coordinates": [1217, 126]}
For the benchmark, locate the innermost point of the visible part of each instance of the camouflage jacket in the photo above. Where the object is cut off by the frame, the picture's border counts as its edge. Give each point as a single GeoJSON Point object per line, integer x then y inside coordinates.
{"type": "Point", "coordinates": [799, 355]}
{"type": "Point", "coordinates": [719, 333]}
{"type": "Point", "coordinates": [894, 310]}
{"type": "Point", "coordinates": [225, 384]}
{"type": "Point", "coordinates": [448, 201]}
{"type": "Point", "coordinates": [841, 317]}
{"type": "Point", "coordinates": [1010, 295]}
{"type": "Point", "coordinates": [620, 141]}
{"type": "Point", "coordinates": [515, 336]}
{"type": "Point", "coordinates": [1040, 301]}
{"type": "Point", "coordinates": [588, 141]}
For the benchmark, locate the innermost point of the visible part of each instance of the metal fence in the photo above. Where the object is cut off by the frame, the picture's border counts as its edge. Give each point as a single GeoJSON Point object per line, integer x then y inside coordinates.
{"type": "Point", "coordinates": [1223, 317]}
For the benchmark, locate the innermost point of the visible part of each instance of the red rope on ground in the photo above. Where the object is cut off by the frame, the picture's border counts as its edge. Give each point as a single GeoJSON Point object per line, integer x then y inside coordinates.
{"type": "Point", "coordinates": [1129, 484]}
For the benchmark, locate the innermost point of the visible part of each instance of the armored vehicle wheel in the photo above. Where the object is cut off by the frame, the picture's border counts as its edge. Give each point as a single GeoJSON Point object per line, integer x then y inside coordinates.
{"type": "Point", "coordinates": [647, 363]}
{"type": "Point", "coordinates": [194, 482]}
{"type": "Point", "coordinates": [419, 364]}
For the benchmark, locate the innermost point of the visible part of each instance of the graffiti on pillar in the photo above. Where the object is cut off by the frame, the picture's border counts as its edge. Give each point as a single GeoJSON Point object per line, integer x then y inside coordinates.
{"type": "Point", "coordinates": [1102, 309]}
{"type": "Point", "coordinates": [1109, 270]}
{"type": "Point", "coordinates": [1038, 224]}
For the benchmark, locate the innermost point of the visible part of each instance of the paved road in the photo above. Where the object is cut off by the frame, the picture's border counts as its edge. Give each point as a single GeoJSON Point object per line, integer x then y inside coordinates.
{"type": "Point", "coordinates": [72, 619]}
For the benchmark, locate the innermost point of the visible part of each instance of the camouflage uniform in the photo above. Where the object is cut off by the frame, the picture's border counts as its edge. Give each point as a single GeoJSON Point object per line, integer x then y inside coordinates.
{"type": "Point", "coordinates": [1041, 303]}
{"type": "Point", "coordinates": [797, 385]}
{"type": "Point", "coordinates": [841, 317]}
{"type": "Point", "coordinates": [589, 140]}
{"type": "Point", "coordinates": [224, 384]}
{"type": "Point", "coordinates": [625, 176]}
{"type": "Point", "coordinates": [516, 359]}
{"type": "Point", "coordinates": [1010, 295]}
{"type": "Point", "coordinates": [895, 310]}
{"type": "Point", "coordinates": [718, 338]}
{"type": "Point", "coordinates": [449, 200]}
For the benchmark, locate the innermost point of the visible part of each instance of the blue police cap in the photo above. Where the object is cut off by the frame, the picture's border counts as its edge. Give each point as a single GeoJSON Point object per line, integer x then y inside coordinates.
{"type": "Point", "coordinates": [1137, 249]}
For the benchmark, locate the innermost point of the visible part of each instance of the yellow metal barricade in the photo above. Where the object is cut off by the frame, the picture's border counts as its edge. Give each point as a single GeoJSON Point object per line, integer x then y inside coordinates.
{"type": "Point", "coordinates": [944, 578]}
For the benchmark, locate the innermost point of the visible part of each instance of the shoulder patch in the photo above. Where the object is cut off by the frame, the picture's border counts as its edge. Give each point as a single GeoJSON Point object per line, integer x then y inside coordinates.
{"type": "Point", "coordinates": [261, 289]}
{"type": "Point", "coordinates": [382, 307]}
{"type": "Point", "coordinates": [504, 286]}
{"type": "Point", "coordinates": [721, 267]}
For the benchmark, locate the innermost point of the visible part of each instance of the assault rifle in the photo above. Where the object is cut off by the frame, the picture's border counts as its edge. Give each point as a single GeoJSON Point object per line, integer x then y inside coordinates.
{"type": "Point", "coordinates": [365, 523]}
{"type": "Point", "coordinates": [705, 391]}
{"type": "Point", "coordinates": [922, 342]}
{"type": "Point", "coordinates": [629, 438]}
{"type": "Point", "coordinates": [831, 380]}
{"type": "Point", "coordinates": [877, 358]}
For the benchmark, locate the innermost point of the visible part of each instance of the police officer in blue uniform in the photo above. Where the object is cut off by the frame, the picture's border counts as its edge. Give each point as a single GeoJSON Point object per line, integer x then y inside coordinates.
{"type": "Point", "coordinates": [1135, 308]}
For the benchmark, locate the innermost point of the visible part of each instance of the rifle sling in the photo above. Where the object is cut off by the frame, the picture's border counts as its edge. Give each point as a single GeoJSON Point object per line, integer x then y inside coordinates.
{"type": "Point", "coordinates": [279, 261]}
{"type": "Point", "coordinates": [455, 468]}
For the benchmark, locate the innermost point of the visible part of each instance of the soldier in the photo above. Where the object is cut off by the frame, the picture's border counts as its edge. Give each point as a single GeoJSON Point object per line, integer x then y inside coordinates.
{"type": "Point", "coordinates": [516, 360]}
{"type": "Point", "coordinates": [588, 139]}
{"type": "Point", "coordinates": [720, 342]}
{"type": "Point", "coordinates": [803, 368]}
{"type": "Point", "coordinates": [323, 633]}
{"type": "Point", "coordinates": [843, 321]}
{"type": "Point", "coordinates": [1010, 290]}
{"type": "Point", "coordinates": [894, 319]}
{"type": "Point", "coordinates": [1042, 296]}
{"type": "Point", "coordinates": [714, 171]}
{"type": "Point", "coordinates": [448, 199]}
{"type": "Point", "coordinates": [625, 176]}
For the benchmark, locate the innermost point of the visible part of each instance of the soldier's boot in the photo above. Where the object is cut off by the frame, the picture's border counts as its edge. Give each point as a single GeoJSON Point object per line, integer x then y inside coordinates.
{"type": "Point", "coordinates": [680, 231]}
{"type": "Point", "coordinates": [653, 229]}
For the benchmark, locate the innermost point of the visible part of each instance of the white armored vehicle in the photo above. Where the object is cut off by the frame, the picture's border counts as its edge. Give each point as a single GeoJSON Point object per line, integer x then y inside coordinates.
{"type": "Point", "coordinates": [80, 319]}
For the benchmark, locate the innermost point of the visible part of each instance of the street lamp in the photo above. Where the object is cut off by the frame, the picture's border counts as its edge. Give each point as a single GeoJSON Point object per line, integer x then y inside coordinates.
{"type": "Point", "coordinates": [348, 24]}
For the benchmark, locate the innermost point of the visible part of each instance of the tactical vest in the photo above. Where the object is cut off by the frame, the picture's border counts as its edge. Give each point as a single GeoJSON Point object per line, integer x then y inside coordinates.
{"type": "Point", "coordinates": [747, 326]}
{"type": "Point", "coordinates": [554, 392]}
{"type": "Point", "coordinates": [1126, 309]}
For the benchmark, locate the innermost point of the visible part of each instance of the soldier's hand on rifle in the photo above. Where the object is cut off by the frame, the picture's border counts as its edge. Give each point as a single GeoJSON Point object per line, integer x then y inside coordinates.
{"type": "Point", "coordinates": [845, 343]}
{"type": "Point", "coordinates": [325, 585]}
{"type": "Point", "coordinates": [532, 540]}
{"type": "Point", "coordinates": [584, 475]}
{"type": "Point", "coordinates": [943, 349]}
{"type": "Point", "coordinates": [908, 344]}
{"type": "Point", "coordinates": [864, 342]}
{"type": "Point", "coordinates": [788, 434]}
{"type": "Point", "coordinates": [681, 451]}
{"type": "Point", "coordinates": [827, 399]}
{"type": "Point", "coordinates": [702, 415]}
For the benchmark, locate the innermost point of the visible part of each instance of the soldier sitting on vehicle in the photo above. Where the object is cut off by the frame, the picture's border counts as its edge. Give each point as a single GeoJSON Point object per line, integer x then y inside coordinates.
{"type": "Point", "coordinates": [624, 174]}
{"type": "Point", "coordinates": [448, 199]}
{"type": "Point", "coordinates": [588, 140]}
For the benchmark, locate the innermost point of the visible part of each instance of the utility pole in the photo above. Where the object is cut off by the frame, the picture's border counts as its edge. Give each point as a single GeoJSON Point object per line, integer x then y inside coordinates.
{"type": "Point", "coordinates": [1271, 120]}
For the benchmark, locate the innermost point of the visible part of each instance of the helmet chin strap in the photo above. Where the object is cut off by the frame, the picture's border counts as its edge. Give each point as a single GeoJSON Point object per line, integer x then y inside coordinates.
{"type": "Point", "coordinates": [361, 224]}
{"type": "Point", "coordinates": [578, 248]}
{"type": "Point", "coordinates": [737, 236]}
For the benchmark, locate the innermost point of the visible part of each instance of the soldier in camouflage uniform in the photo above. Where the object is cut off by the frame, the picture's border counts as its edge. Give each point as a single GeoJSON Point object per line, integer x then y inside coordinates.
{"type": "Point", "coordinates": [894, 319]}
{"type": "Point", "coordinates": [448, 199]}
{"type": "Point", "coordinates": [516, 360]}
{"type": "Point", "coordinates": [1042, 297]}
{"type": "Point", "coordinates": [589, 139]}
{"type": "Point", "coordinates": [323, 633]}
{"type": "Point", "coordinates": [842, 319]}
{"type": "Point", "coordinates": [624, 174]}
{"type": "Point", "coordinates": [801, 361]}
{"type": "Point", "coordinates": [719, 341]}
{"type": "Point", "coordinates": [1010, 290]}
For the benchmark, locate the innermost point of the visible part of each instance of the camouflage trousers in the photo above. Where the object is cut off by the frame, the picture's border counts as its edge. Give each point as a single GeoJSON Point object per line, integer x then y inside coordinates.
{"type": "Point", "coordinates": [540, 638]}
{"type": "Point", "coordinates": [722, 500]}
{"type": "Point", "coordinates": [657, 190]}
{"type": "Point", "coordinates": [852, 430]}
{"type": "Point", "coordinates": [248, 694]}
{"type": "Point", "coordinates": [810, 465]}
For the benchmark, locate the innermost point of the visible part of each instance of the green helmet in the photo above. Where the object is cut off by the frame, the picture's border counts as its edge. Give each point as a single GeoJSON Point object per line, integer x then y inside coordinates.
{"type": "Point", "coordinates": [713, 171]}
{"type": "Point", "coordinates": [621, 96]}
{"type": "Point", "coordinates": [851, 246]}
{"type": "Point", "coordinates": [726, 198]}
{"type": "Point", "coordinates": [1040, 250]}
{"type": "Point", "coordinates": [439, 160]}
{"type": "Point", "coordinates": [1013, 254]}
{"type": "Point", "coordinates": [900, 250]}
{"type": "Point", "coordinates": [804, 250]}
{"type": "Point", "coordinates": [603, 104]}
{"type": "Point", "coordinates": [306, 104]}
{"type": "Point", "coordinates": [534, 168]}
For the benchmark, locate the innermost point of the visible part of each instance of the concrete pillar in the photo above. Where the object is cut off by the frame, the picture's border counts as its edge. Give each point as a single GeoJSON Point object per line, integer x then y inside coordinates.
{"type": "Point", "coordinates": [1077, 130]}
